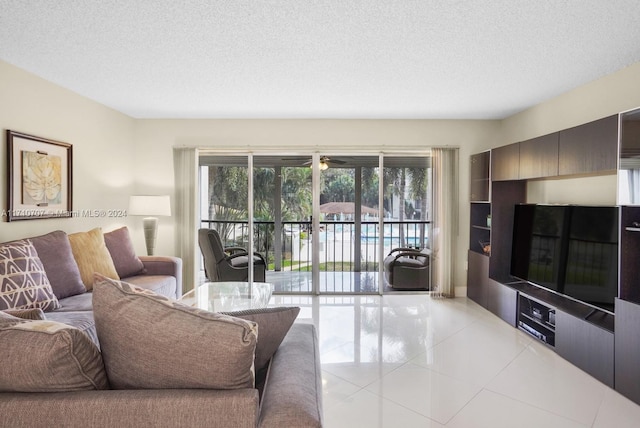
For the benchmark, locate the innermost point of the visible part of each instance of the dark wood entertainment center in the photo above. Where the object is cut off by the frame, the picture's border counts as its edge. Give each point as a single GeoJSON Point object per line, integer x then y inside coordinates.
{"type": "Point", "coordinates": [604, 345]}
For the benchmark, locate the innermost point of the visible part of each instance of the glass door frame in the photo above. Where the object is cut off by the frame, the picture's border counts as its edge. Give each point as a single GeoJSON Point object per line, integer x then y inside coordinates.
{"type": "Point", "coordinates": [315, 158]}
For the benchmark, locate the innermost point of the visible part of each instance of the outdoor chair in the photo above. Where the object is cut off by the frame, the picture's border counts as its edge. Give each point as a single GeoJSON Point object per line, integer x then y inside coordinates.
{"type": "Point", "coordinates": [408, 269]}
{"type": "Point", "coordinates": [230, 263]}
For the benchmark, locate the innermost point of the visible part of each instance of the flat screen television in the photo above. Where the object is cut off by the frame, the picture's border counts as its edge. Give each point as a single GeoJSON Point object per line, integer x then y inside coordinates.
{"type": "Point", "coordinates": [569, 249]}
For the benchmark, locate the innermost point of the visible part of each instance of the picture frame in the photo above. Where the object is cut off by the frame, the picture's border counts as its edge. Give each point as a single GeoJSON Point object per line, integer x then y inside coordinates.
{"type": "Point", "coordinates": [39, 177]}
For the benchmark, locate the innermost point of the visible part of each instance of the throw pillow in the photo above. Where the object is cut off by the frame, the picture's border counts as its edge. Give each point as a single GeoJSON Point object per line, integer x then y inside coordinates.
{"type": "Point", "coordinates": [47, 356]}
{"type": "Point", "coordinates": [92, 256]}
{"type": "Point", "coordinates": [273, 326]}
{"type": "Point", "coordinates": [55, 253]}
{"type": "Point", "coordinates": [120, 246]}
{"type": "Point", "coordinates": [151, 341]}
{"type": "Point", "coordinates": [23, 281]}
{"type": "Point", "coordinates": [27, 314]}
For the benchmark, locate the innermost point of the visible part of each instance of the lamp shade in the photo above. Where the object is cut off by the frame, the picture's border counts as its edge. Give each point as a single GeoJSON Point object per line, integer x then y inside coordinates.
{"type": "Point", "coordinates": [150, 205]}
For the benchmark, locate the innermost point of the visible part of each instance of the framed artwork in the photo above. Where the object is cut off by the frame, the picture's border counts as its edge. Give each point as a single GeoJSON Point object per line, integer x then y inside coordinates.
{"type": "Point", "coordinates": [39, 182]}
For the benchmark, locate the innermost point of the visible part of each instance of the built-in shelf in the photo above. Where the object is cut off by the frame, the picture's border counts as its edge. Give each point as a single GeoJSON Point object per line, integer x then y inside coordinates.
{"type": "Point", "coordinates": [632, 229]}
{"type": "Point", "coordinates": [537, 319]}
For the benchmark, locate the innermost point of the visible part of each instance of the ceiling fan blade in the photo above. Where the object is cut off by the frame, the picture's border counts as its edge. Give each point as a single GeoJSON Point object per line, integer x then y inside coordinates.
{"type": "Point", "coordinates": [296, 158]}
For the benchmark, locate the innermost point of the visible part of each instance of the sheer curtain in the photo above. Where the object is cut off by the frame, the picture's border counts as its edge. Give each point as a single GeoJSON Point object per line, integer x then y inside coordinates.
{"type": "Point", "coordinates": [445, 218]}
{"type": "Point", "coordinates": [186, 175]}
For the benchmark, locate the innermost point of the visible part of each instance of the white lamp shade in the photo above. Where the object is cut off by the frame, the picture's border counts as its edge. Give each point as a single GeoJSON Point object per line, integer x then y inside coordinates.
{"type": "Point", "coordinates": [150, 205]}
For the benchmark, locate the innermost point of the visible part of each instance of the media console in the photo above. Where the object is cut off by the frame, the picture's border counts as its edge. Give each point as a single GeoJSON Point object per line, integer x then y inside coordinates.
{"type": "Point", "coordinates": [537, 319]}
{"type": "Point", "coordinates": [580, 333]}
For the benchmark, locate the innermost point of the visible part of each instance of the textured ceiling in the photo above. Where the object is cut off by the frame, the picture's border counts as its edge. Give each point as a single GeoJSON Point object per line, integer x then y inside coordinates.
{"type": "Point", "coordinates": [320, 59]}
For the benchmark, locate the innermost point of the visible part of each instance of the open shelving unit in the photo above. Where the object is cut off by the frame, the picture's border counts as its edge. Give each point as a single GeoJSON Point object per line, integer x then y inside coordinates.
{"type": "Point", "coordinates": [537, 319]}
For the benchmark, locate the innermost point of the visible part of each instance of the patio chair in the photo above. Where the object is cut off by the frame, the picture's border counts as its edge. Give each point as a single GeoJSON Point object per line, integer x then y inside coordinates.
{"type": "Point", "coordinates": [408, 269]}
{"type": "Point", "coordinates": [230, 263]}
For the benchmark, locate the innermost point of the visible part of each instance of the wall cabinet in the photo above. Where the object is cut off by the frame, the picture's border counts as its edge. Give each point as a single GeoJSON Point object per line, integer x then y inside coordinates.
{"type": "Point", "coordinates": [502, 301]}
{"type": "Point", "coordinates": [588, 148]}
{"type": "Point", "coordinates": [586, 345]}
{"type": "Point", "coordinates": [479, 172]}
{"type": "Point", "coordinates": [505, 163]}
{"type": "Point", "coordinates": [627, 350]}
{"type": "Point", "coordinates": [629, 253]}
{"type": "Point", "coordinates": [491, 295]}
{"type": "Point", "coordinates": [477, 278]}
{"type": "Point", "coordinates": [505, 194]}
{"type": "Point", "coordinates": [539, 157]}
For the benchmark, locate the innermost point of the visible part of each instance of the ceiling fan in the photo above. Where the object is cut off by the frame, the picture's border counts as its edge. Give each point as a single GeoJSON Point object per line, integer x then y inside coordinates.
{"type": "Point", "coordinates": [325, 161]}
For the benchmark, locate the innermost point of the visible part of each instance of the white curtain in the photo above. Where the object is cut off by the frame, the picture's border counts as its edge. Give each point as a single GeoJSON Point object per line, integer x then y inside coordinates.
{"type": "Point", "coordinates": [445, 219]}
{"type": "Point", "coordinates": [186, 226]}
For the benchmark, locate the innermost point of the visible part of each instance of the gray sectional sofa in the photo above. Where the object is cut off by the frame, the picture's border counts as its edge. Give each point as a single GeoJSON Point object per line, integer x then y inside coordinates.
{"type": "Point", "coordinates": [291, 394]}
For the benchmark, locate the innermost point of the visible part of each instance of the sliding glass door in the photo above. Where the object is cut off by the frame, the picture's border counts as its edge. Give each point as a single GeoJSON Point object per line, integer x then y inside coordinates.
{"type": "Point", "coordinates": [407, 223]}
{"type": "Point", "coordinates": [322, 222]}
{"type": "Point", "coordinates": [349, 207]}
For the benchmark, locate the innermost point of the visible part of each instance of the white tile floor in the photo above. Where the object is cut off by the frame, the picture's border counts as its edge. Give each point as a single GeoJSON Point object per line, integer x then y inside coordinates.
{"type": "Point", "coordinates": [414, 361]}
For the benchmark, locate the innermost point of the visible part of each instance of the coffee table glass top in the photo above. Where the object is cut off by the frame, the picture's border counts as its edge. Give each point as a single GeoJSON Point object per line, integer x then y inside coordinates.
{"type": "Point", "coordinates": [229, 296]}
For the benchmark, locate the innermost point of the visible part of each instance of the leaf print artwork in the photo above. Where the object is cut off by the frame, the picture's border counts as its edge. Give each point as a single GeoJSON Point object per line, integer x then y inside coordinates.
{"type": "Point", "coordinates": [41, 178]}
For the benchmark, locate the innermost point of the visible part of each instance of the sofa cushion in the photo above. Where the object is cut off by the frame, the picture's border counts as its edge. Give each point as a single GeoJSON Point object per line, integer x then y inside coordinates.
{"type": "Point", "coordinates": [23, 280]}
{"type": "Point", "coordinates": [55, 253]}
{"type": "Point", "coordinates": [82, 320]}
{"type": "Point", "coordinates": [125, 260]}
{"type": "Point", "coordinates": [47, 356]}
{"type": "Point", "coordinates": [159, 284]}
{"type": "Point", "coordinates": [92, 256]}
{"type": "Point", "coordinates": [79, 302]}
{"type": "Point", "coordinates": [151, 341]}
{"type": "Point", "coordinates": [273, 325]}
{"type": "Point", "coordinates": [27, 314]}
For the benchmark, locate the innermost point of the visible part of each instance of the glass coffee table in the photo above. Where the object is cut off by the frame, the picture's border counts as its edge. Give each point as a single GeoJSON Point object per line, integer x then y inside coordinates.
{"type": "Point", "coordinates": [229, 296]}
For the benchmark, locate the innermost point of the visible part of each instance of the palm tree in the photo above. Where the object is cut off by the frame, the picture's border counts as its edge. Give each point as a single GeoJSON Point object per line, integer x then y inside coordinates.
{"type": "Point", "coordinates": [228, 195]}
{"type": "Point", "coordinates": [418, 191]}
{"type": "Point", "coordinates": [395, 180]}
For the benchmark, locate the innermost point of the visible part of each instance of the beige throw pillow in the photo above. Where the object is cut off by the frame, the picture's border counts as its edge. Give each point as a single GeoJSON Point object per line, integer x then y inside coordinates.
{"type": "Point", "coordinates": [149, 341]}
{"type": "Point", "coordinates": [92, 256]}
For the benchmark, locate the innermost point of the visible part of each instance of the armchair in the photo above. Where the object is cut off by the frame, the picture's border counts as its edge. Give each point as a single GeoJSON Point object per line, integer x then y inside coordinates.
{"type": "Point", "coordinates": [230, 263]}
{"type": "Point", "coordinates": [408, 269]}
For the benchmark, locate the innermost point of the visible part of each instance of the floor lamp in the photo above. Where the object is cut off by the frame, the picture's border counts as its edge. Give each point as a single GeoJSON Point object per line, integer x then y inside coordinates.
{"type": "Point", "coordinates": [150, 207]}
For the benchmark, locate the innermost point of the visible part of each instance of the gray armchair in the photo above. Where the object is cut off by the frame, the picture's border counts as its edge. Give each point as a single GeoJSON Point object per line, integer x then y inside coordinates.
{"type": "Point", "coordinates": [408, 269]}
{"type": "Point", "coordinates": [230, 263]}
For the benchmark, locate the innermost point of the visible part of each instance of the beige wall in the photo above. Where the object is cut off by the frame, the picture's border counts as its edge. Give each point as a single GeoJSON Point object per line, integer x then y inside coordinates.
{"type": "Point", "coordinates": [609, 95]}
{"type": "Point", "coordinates": [115, 155]}
{"type": "Point", "coordinates": [102, 142]}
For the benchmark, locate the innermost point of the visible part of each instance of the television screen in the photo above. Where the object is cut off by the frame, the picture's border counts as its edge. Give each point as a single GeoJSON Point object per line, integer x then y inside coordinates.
{"type": "Point", "coordinates": [538, 232]}
{"type": "Point", "coordinates": [572, 250]}
{"type": "Point", "coordinates": [592, 259]}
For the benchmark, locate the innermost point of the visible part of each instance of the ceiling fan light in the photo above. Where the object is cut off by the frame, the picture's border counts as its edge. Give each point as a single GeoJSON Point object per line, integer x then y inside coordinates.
{"type": "Point", "coordinates": [323, 165]}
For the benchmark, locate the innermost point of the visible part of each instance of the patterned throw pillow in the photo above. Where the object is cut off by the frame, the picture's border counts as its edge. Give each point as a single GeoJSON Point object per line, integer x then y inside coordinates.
{"type": "Point", "coordinates": [92, 256]}
{"type": "Point", "coordinates": [23, 280]}
{"type": "Point", "coordinates": [149, 341]}
{"type": "Point", "coordinates": [47, 356]}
